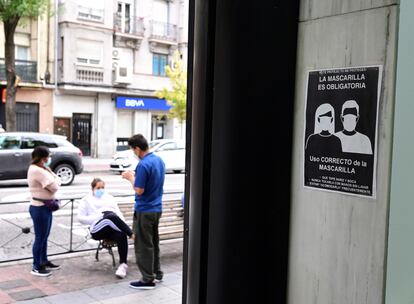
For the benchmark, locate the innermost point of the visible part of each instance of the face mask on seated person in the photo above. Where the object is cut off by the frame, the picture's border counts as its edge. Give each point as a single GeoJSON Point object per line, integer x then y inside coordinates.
{"type": "Point", "coordinates": [99, 193]}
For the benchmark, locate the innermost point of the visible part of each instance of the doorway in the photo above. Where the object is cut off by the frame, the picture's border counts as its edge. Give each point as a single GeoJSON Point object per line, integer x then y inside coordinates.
{"type": "Point", "coordinates": [27, 116]}
{"type": "Point", "coordinates": [81, 132]}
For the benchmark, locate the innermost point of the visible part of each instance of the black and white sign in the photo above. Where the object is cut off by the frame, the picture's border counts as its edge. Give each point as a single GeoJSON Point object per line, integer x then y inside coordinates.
{"type": "Point", "coordinates": [341, 118]}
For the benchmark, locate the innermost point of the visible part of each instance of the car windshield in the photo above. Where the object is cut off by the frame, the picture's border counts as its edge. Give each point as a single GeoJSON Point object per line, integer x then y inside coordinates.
{"type": "Point", "coordinates": [153, 143]}
{"type": "Point", "coordinates": [163, 145]}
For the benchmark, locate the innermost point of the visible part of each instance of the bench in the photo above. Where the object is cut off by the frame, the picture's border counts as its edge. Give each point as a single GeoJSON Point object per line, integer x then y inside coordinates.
{"type": "Point", "coordinates": [171, 223]}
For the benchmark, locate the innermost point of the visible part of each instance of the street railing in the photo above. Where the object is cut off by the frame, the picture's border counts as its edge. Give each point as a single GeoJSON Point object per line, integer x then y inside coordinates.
{"type": "Point", "coordinates": [67, 234]}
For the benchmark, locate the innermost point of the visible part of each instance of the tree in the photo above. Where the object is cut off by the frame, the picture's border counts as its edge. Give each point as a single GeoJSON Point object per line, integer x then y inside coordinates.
{"type": "Point", "coordinates": [176, 96]}
{"type": "Point", "coordinates": [11, 12]}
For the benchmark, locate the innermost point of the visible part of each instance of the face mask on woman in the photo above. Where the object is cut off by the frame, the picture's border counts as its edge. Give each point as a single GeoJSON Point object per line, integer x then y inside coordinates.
{"type": "Point", "coordinates": [99, 192]}
{"type": "Point", "coordinates": [48, 162]}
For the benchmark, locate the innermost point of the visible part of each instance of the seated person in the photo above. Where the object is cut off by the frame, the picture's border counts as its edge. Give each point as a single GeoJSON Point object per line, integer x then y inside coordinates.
{"type": "Point", "coordinates": [100, 211]}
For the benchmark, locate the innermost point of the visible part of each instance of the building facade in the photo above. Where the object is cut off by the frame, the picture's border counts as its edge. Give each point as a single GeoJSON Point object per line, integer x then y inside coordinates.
{"type": "Point", "coordinates": [34, 53]}
{"type": "Point", "coordinates": [110, 62]}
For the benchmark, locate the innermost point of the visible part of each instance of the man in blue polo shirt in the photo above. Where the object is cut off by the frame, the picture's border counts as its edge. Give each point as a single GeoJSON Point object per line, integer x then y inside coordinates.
{"type": "Point", "coordinates": [148, 184]}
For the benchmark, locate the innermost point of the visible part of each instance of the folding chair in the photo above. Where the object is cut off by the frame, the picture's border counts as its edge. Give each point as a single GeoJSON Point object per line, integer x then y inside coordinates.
{"type": "Point", "coordinates": [108, 245]}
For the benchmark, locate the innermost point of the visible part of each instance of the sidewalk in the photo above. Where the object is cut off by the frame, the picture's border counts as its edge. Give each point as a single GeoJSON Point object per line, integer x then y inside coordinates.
{"type": "Point", "coordinates": [83, 280]}
{"type": "Point", "coordinates": [95, 164]}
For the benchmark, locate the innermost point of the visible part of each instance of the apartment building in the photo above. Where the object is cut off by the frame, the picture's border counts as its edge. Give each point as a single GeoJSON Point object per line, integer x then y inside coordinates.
{"type": "Point", "coordinates": [34, 53]}
{"type": "Point", "coordinates": [111, 59]}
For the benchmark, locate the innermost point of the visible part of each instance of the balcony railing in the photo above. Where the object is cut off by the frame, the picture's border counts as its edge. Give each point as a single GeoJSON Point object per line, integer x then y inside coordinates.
{"type": "Point", "coordinates": [25, 69]}
{"type": "Point", "coordinates": [89, 75]}
{"type": "Point", "coordinates": [133, 25]}
{"type": "Point", "coordinates": [90, 14]}
{"type": "Point", "coordinates": [163, 31]}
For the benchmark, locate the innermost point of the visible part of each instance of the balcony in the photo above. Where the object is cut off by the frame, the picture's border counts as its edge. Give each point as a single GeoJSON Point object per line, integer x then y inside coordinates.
{"type": "Point", "coordinates": [132, 26]}
{"type": "Point", "coordinates": [89, 75]}
{"type": "Point", "coordinates": [162, 32]}
{"type": "Point", "coordinates": [25, 69]}
{"type": "Point", "coordinates": [81, 74]}
{"type": "Point", "coordinates": [128, 32]}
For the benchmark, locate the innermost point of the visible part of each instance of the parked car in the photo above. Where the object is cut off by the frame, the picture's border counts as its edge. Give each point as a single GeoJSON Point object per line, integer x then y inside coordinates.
{"type": "Point", "coordinates": [16, 153]}
{"type": "Point", "coordinates": [171, 151]}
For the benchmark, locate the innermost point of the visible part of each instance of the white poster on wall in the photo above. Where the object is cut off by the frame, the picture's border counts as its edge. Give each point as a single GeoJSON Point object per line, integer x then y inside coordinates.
{"type": "Point", "coordinates": [340, 136]}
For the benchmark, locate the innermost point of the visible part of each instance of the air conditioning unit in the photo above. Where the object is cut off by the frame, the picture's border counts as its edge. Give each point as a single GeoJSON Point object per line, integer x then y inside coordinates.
{"type": "Point", "coordinates": [116, 54]}
{"type": "Point", "coordinates": [123, 74]}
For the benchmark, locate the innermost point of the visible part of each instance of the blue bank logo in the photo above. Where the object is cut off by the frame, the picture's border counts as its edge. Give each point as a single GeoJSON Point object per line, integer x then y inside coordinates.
{"type": "Point", "coordinates": [140, 103]}
{"type": "Point", "coordinates": [133, 103]}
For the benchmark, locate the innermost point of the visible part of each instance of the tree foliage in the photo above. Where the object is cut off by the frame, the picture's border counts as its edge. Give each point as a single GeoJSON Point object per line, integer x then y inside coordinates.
{"type": "Point", "coordinates": [11, 12]}
{"type": "Point", "coordinates": [176, 95]}
{"type": "Point", "coordinates": [10, 9]}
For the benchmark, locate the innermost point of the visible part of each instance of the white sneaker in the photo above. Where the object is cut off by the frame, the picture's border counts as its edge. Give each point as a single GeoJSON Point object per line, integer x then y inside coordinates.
{"type": "Point", "coordinates": [121, 272]}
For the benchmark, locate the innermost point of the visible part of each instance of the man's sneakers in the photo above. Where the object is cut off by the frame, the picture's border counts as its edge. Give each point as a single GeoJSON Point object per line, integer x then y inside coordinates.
{"type": "Point", "coordinates": [50, 266]}
{"type": "Point", "coordinates": [41, 272]}
{"type": "Point", "coordinates": [121, 272]}
{"type": "Point", "coordinates": [158, 277]}
{"type": "Point", "coordinates": [142, 285]}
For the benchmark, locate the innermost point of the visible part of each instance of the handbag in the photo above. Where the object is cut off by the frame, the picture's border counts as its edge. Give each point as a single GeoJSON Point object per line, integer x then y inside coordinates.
{"type": "Point", "coordinates": [52, 204]}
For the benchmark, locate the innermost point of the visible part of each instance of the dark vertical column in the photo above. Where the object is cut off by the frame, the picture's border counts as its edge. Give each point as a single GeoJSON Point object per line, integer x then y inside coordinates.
{"type": "Point", "coordinates": [238, 190]}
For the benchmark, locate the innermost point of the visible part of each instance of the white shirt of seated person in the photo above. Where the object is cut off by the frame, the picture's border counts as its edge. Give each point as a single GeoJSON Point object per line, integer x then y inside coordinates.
{"type": "Point", "coordinates": [352, 141]}
{"type": "Point", "coordinates": [90, 208]}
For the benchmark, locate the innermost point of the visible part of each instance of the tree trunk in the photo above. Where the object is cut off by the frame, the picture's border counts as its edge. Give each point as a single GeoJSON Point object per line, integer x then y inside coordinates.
{"type": "Point", "coordinates": [9, 58]}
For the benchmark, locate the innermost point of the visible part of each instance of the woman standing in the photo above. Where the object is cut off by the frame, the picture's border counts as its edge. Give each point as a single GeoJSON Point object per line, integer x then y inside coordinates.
{"type": "Point", "coordinates": [43, 184]}
{"type": "Point", "coordinates": [100, 210]}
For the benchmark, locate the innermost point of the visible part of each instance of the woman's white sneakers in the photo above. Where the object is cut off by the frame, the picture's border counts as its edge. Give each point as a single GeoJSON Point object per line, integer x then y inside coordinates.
{"type": "Point", "coordinates": [121, 272]}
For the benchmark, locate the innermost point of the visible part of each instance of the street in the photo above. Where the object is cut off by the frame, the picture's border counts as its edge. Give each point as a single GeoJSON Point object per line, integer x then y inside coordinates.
{"type": "Point", "coordinates": [15, 191]}
{"type": "Point", "coordinates": [67, 234]}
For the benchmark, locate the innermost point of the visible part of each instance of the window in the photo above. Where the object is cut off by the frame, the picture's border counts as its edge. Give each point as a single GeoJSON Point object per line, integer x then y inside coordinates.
{"type": "Point", "coordinates": [90, 14]}
{"type": "Point", "coordinates": [127, 17]}
{"type": "Point", "coordinates": [160, 23]}
{"type": "Point", "coordinates": [22, 52]}
{"type": "Point", "coordinates": [160, 131]}
{"type": "Point", "coordinates": [89, 52]}
{"type": "Point", "coordinates": [62, 126]}
{"type": "Point", "coordinates": [32, 142]}
{"type": "Point", "coordinates": [159, 61]}
{"type": "Point", "coordinates": [123, 17]}
{"type": "Point", "coordinates": [160, 12]}
{"type": "Point", "coordinates": [91, 10]}
{"type": "Point", "coordinates": [122, 144]}
{"type": "Point", "coordinates": [9, 142]}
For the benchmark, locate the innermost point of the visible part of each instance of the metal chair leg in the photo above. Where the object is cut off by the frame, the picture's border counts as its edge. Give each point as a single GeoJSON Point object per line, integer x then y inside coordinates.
{"type": "Point", "coordinates": [112, 255]}
{"type": "Point", "coordinates": [100, 246]}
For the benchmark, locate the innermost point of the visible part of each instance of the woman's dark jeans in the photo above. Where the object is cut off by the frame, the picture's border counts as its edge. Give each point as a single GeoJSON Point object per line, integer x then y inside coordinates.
{"type": "Point", "coordinates": [42, 222]}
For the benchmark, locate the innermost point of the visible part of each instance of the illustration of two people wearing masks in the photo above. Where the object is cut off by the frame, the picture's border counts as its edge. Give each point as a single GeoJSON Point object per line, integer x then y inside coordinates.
{"type": "Point", "coordinates": [348, 140]}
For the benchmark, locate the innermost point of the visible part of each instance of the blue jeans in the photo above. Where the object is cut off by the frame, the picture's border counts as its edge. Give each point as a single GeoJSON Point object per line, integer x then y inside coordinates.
{"type": "Point", "coordinates": [42, 222]}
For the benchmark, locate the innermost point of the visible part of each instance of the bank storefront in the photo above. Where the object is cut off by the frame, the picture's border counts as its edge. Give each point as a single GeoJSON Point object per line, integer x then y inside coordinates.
{"type": "Point", "coordinates": [144, 115]}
